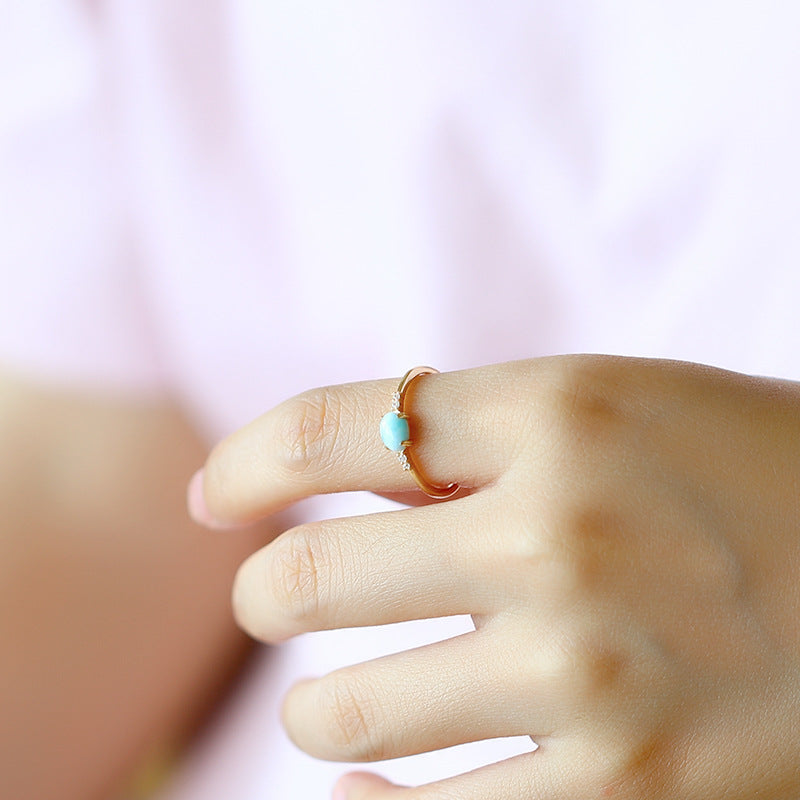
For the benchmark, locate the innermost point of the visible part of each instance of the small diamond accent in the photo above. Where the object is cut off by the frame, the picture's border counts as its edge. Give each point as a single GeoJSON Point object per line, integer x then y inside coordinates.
{"type": "Point", "coordinates": [396, 401]}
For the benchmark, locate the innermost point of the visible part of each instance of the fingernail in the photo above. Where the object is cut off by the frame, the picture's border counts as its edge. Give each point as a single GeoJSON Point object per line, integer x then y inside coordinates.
{"type": "Point", "coordinates": [196, 504]}
{"type": "Point", "coordinates": [339, 793]}
{"type": "Point", "coordinates": [354, 784]}
{"type": "Point", "coordinates": [344, 787]}
{"type": "Point", "coordinates": [342, 790]}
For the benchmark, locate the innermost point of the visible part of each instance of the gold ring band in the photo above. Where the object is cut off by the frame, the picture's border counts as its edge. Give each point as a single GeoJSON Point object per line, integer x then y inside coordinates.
{"type": "Point", "coordinates": [395, 434]}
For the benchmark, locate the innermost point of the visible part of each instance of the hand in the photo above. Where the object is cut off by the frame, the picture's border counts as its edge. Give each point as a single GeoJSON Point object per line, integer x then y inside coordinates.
{"type": "Point", "coordinates": [629, 549]}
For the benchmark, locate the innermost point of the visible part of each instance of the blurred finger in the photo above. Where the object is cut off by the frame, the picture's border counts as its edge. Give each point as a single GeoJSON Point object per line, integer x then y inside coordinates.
{"type": "Point", "coordinates": [540, 775]}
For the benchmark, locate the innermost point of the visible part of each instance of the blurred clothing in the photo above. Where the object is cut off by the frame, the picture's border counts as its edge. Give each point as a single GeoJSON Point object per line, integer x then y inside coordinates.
{"type": "Point", "coordinates": [231, 202]}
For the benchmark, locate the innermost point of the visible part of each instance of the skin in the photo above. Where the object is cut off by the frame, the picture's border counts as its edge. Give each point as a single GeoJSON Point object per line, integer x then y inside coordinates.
{"type": "Point", "coordinates": [628, 545]}
{"type": "Point", "coordinates": [115, 619]}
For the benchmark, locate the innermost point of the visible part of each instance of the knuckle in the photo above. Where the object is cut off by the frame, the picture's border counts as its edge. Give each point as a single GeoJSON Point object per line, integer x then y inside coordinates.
{"type": "Point", "coordinates": [301, 573]}
{"type": "Point", "coordinates": [599, 669]}
{"type": "Point", "coordinates": [581, 541]}
{"type": "Point", "coordinates": [637, 766]}
{"type": "Point", "coordinates": [589, 666]}
{"type": "Point", "coordinates": [350, 719]}
{"type": "Point", "coordinates": [308, 429]}
{"type": "Point", "coordinates": [583, 404]}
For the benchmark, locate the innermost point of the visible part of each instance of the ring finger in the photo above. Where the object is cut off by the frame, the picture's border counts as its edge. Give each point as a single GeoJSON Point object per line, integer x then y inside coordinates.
{"type": "Point", "coordinates": [462, 429]}
{"type": "Point", "coordinates": [387, 708]}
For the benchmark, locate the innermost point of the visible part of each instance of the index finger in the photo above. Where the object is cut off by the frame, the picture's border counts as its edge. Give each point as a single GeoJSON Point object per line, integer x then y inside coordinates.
{"type": "Point", "coordinates": [327, 440]}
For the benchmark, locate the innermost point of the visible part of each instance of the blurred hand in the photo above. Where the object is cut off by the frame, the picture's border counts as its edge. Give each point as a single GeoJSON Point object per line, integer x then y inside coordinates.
{"type": "Point", "coordinates": [629, 548]}
{"type": "Point", "coordinates": [115, 628]}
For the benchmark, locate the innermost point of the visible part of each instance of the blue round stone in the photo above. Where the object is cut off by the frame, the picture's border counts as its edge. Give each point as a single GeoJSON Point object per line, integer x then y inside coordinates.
{"type": "Point", "coordinates": [394, 431]}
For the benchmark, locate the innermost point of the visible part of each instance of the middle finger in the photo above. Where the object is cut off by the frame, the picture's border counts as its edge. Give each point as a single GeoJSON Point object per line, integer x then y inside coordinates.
{"type": "Point", "coordinates": [394, 566]}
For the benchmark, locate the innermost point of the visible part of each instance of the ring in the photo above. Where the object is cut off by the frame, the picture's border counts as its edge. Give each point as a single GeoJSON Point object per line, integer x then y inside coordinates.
{"type": "Point", "coordinates": [396, 436]}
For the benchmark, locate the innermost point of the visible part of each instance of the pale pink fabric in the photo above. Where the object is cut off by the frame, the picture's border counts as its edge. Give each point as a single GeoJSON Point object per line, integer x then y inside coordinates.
{"type": "Point", "coordinates": [233, 201]}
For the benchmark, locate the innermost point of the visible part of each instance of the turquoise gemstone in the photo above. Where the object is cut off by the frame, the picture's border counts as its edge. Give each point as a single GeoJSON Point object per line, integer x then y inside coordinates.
{"type": "Point", "coordinates": [394, 431]}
